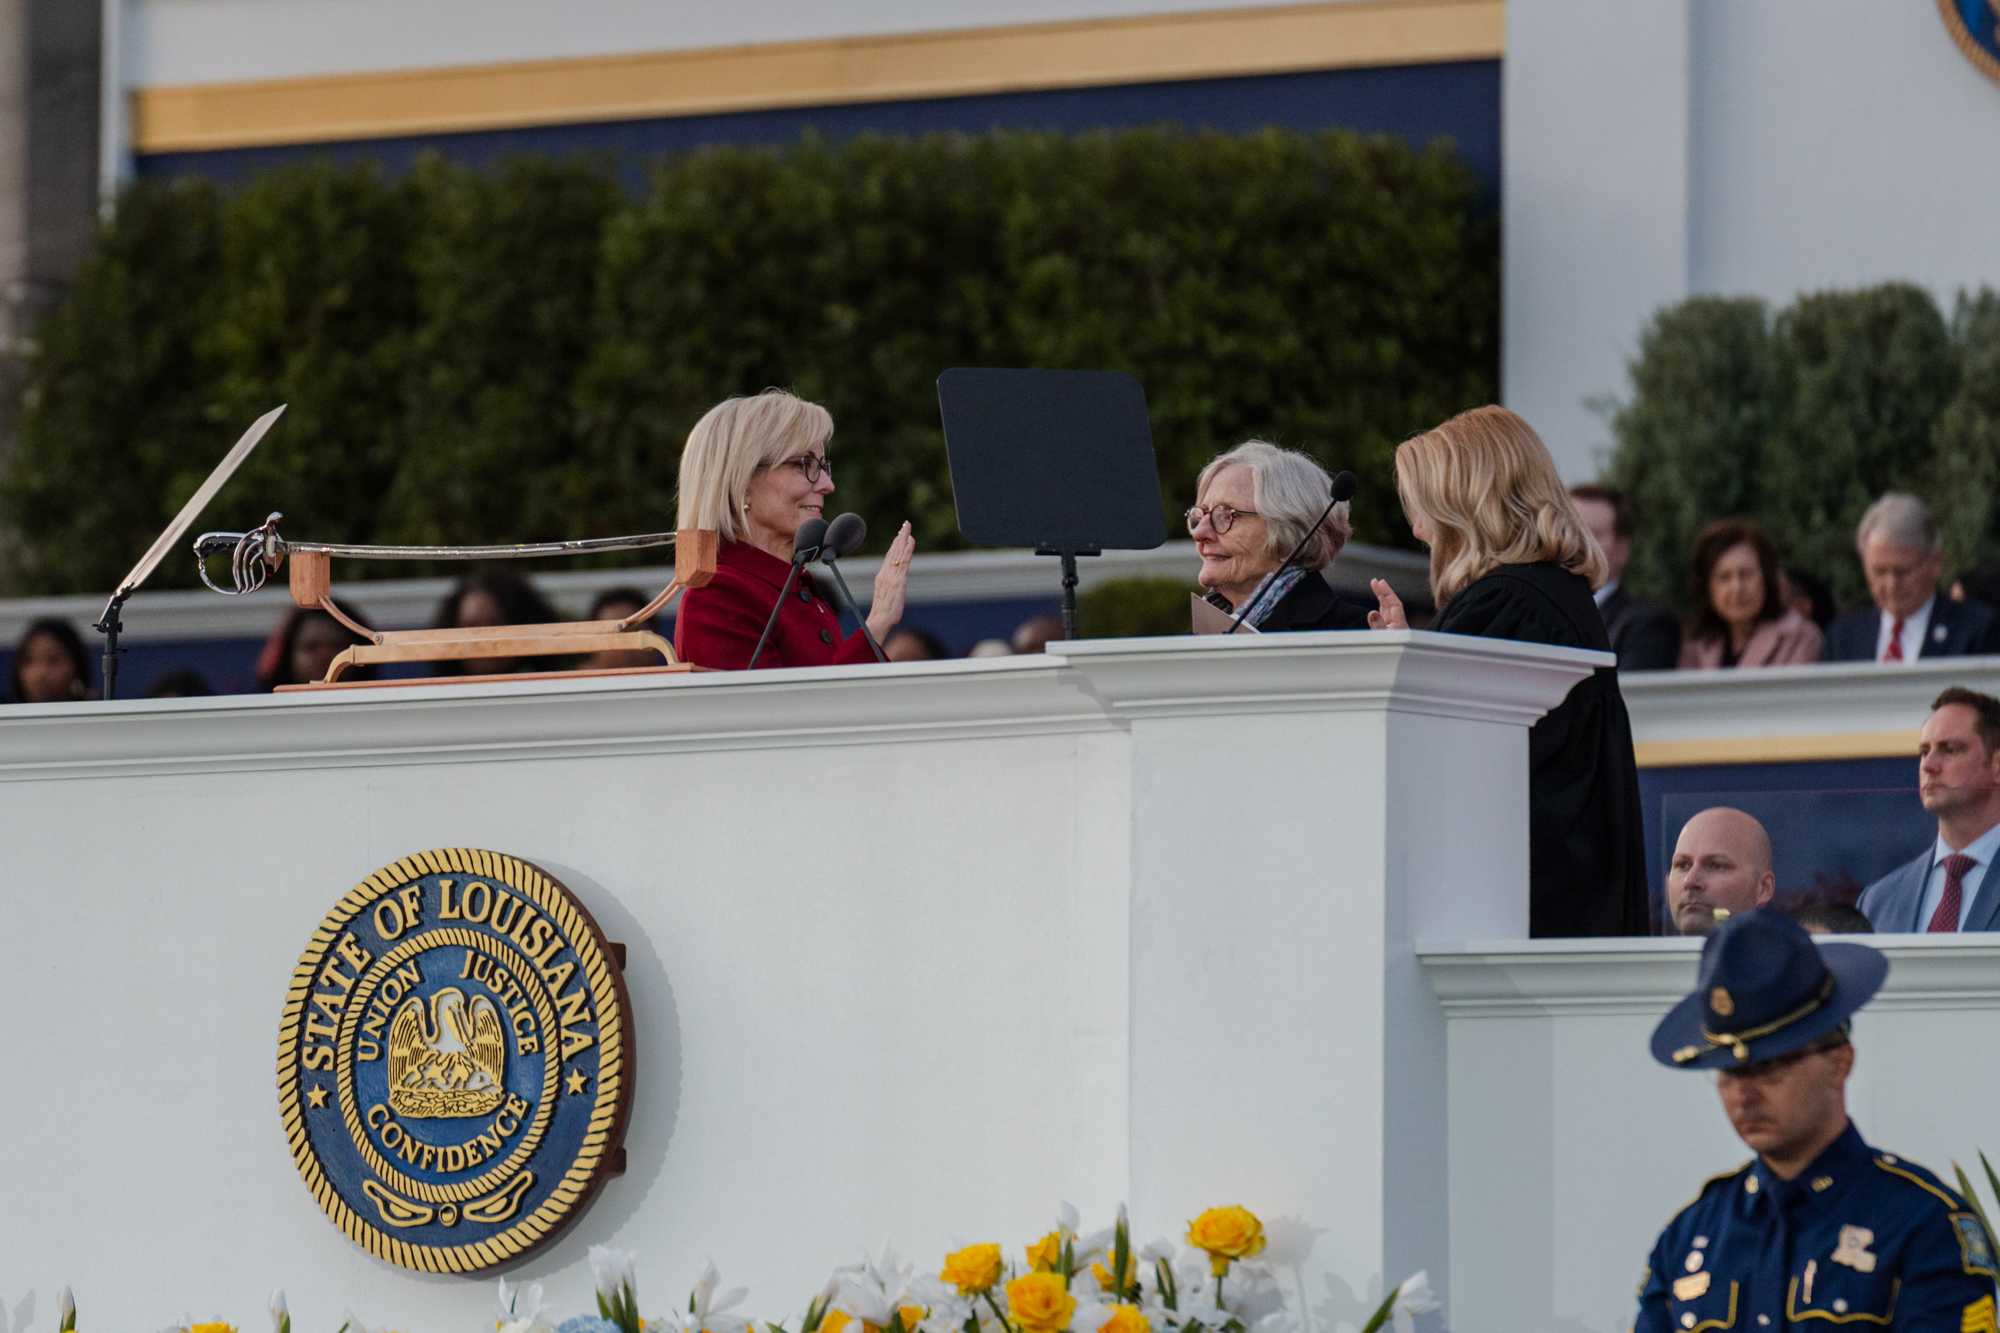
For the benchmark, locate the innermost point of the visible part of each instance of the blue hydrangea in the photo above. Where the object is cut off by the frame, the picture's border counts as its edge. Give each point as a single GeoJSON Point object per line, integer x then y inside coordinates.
{"type": "Point", "coordinates": [587, 1323]}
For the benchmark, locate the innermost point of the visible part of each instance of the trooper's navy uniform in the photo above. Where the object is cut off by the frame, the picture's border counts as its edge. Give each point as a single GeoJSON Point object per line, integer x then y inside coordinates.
{"type": "Point", "coordinates": [1860, 1238]}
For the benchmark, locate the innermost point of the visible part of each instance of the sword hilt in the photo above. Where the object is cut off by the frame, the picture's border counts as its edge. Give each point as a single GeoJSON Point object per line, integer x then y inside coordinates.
{"type": "Point", "coordinates": [253, 556]}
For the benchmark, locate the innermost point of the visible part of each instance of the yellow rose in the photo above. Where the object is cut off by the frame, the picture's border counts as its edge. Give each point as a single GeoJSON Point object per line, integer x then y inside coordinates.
{"type": "Point", "coordinates": [834, 1320]}
{"type": "Point", "coordinates": [1040, 1302]}
{"type": "Point", "coordinates": [1045, 1255]}
{"type": "Point", "coordinates": [1227, 1234]}
{"type": "Point", "coordinates": [973, 1269]}
{"type": "Point", "coordinates": [1126, 1319]}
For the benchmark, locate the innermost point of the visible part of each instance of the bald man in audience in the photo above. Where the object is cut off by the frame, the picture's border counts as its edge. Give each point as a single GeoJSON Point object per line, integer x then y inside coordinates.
{"type": "Point", "coordinates": [1721, 868]}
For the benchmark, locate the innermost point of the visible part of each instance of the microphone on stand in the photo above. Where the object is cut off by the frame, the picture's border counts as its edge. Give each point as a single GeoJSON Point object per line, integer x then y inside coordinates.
{"type": "Point", "coordinates": [805, 547]}
{"type": "Point", "coordinates": [844, 537]}
{"type": "Point", "coordinates": [1343, 489]}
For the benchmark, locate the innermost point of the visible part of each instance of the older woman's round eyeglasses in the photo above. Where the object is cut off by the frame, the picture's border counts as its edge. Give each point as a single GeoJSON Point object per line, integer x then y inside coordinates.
{"type": "Point", "coordinates": [1221, 517]}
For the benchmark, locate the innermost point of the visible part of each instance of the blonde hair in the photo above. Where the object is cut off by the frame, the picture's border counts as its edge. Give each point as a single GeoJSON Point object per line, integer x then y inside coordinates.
{"type": "Point", "coordinates": [1289, 490]}
{"type": "Point", "coordinates": [1484, 484]}
{"type": "Point", "coordinates": [730, 442]}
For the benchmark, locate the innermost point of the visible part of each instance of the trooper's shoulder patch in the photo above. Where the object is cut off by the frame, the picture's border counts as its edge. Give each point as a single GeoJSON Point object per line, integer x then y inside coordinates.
{"type": "Point", "coordinates": [1974, 1245]}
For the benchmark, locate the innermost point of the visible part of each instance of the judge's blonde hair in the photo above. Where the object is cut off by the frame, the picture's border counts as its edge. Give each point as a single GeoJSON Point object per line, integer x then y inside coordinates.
{"type": "Point", "coordinates": [731, 441]}
{"type": "Point", "coordinates": [1484, 485]}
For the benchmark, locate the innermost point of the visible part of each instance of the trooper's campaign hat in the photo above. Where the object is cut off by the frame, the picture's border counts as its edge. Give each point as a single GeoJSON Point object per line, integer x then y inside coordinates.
{"type": "Point", "coordinates": [1765, 990]}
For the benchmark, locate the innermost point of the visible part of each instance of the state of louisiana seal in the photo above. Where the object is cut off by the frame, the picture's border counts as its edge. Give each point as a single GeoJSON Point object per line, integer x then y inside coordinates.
{"type": "Point", "coordinates": [1974, 26]}
{"type": "Point", "coordinates": [454, 1064]}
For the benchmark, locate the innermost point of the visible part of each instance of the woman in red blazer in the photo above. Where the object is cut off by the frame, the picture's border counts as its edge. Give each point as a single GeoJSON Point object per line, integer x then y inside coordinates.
{"type": "Point", "coordinates": [752, 471]}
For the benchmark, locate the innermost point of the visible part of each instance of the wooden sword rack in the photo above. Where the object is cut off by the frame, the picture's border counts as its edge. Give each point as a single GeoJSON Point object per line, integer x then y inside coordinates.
{"type": "Point", "coordinates": [256, 554]}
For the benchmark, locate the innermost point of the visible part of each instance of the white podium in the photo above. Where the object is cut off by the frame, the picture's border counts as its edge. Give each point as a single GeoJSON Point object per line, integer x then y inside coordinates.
{"type": "Point", "coordinates": [914, 952]}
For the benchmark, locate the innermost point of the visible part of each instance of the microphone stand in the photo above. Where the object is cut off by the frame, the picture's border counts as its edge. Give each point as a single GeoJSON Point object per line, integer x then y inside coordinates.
{"type": "Point", "coordinates": [847, 603]}
{"type": "Point", "coordinates": [807, 545]}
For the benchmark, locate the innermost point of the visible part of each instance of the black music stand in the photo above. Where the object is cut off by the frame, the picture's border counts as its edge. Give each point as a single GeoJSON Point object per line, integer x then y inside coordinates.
{"type": "Point", "coordinates": [1059, 460]}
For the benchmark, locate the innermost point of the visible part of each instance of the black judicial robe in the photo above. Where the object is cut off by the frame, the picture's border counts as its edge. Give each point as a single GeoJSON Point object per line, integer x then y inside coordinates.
{"type": "Point", "coordinates": [1586, 850]}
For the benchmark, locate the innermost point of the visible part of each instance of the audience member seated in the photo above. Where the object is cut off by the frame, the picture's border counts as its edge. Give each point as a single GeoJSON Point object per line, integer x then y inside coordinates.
{"type": "Point", "coordinates": [50, 665]}
{"type": "Point", "coordinates": [1645, 635]}
{"type": "Point", "coordinates": [907, 643]}
{"type": "Point", "coordinates": [1808, 594]}
{"type": "Point", "coordinates": [1901, 553]}
{"type": "Point", "coordinates": [1252, 506]}
{"type": "Point", "coordinates": [302, 647]}
{"type": "Point", "coordinates": [616, 604]}
{"type": "Point", "coordinates": [1946, 888]}
{"type": "Point", "coordinates": [1977, 585]}
{"type": "Point", "coordinates": [186, 683]}
{"type": "Point", "coordinates": [1740, 617]}
{"type": "Point", "coordinates": [1511, 559]}
{"type": "Point", "coordinates": [1035, 633]}
{"type": "Point", "coordinates": [495, 597]}
{"type": "Point", "coordinates": [1721, 868]}
{"type": "Point", "coordinates": [1833, 919]}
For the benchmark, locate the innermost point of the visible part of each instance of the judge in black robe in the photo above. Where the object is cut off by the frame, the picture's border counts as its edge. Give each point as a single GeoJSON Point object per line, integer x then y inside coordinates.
{"type": "Point", "coordinates": [1512, 559]}
{"type": "Point", "coordinates": [1586, 848]}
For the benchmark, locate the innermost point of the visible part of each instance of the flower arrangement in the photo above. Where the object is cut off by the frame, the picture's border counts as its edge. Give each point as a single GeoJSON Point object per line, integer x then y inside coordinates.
{"type": "Point", "coordinates": [1066, 1282]}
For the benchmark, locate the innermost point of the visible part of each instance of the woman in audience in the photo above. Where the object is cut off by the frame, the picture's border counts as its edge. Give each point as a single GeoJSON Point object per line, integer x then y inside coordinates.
{"type": "Point", "coordinates": [493, 597]}
{"type": "Point", "coordinates": [908, 643]}
{"type": "Point", "coordinates": [753, 470]}
{"type": "Point", "coordinates": [1511, 558]}
{"type": "Point", "coordinates": [50, 666]}
{"type": "Point", "coordinates": [304, 645]}
{"type": "Point", "coordinates": [1740, 617]}
{"type": "Point", "coordinates": [1252, 506]}
{"type": "Point", "coordinates": [616, 604]}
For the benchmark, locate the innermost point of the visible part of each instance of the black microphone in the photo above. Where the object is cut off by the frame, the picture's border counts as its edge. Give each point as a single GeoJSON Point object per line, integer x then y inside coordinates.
{"type": "Point", "coordinates": [844, 537]}
{"type": "Point", "coordinates": [806, 546]}
{"type": "Point", "coordinates": [1344, 484]}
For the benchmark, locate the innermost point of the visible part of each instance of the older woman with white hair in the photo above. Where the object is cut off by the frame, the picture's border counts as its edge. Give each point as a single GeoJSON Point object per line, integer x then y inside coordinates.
{"type": "Point", "coordinates": [1252, 506]}
{"type": "Point", "coordinates": [752, 471]}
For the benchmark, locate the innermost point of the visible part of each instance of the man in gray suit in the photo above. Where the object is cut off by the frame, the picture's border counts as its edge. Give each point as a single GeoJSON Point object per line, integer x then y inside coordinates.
{"type": "Point", "coordinates": [1947, 887]}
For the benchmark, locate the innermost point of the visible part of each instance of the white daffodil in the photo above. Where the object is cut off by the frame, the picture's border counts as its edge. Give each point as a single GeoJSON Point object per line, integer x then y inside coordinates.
{"type": "Point", "coordinates": [1413, 1298]}
{"type": "Point", "coordinates": [519, 1310]}
{"type": "Point", "coordinates": [1067, 1220]}
{"type": "Point", "coordinates": [281, 1314]}
{"type": "Point", "coordinates": [876, 1292]}
{"type": "Point", "coordinates": [65, 1311]}
{"type": "Point", "coordinates": [710, 1312]}
{"type": "Point", "coordinates": [351, 1323]}
{"type": "Point", "coordinates": [946, 1309]}
{"type": "Point", "coordinates": [611, 1269]}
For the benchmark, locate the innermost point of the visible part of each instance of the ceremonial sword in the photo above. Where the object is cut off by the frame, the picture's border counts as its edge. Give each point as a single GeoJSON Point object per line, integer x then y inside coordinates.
{"type": "Point", "coordinates": [108, 624]}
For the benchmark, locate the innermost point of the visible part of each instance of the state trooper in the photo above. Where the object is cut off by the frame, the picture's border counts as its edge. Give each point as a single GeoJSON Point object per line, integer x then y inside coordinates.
{"type": "Point", "coordinates": [1819, 1230]}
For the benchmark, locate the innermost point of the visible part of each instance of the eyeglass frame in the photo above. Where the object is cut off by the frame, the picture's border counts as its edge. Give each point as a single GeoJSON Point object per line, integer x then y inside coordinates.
{"type": "Point", "coordinates": [811, 466]}
{"type": "Point", "coordinates": [1196, 513]}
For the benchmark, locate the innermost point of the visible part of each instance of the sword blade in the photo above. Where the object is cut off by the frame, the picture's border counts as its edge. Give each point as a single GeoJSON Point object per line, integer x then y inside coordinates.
{"type": "Point", "coordinates": [197, 502]}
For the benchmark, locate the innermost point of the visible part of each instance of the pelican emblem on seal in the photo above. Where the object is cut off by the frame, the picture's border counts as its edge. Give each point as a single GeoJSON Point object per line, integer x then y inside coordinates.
{"type": "Point", "coordinates": [447, 1058]}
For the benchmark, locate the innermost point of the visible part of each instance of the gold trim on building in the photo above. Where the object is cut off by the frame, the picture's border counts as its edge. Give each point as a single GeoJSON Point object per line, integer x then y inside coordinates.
{"type": "Point", "coordinates": [1777, 749]}
{"type": "Point", "coordinates": [1205, 44]}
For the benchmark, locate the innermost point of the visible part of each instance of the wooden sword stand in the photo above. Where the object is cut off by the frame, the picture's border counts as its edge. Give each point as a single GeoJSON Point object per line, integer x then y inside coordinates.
{"type": "Point", "coordinates": [311, 581]}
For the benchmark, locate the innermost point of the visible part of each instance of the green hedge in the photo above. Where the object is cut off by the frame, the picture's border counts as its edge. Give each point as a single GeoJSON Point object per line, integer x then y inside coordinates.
{"type": "Point", "coordinates": [1802, 419]}
{"type": "Point", "coordinates": [520, 354]}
